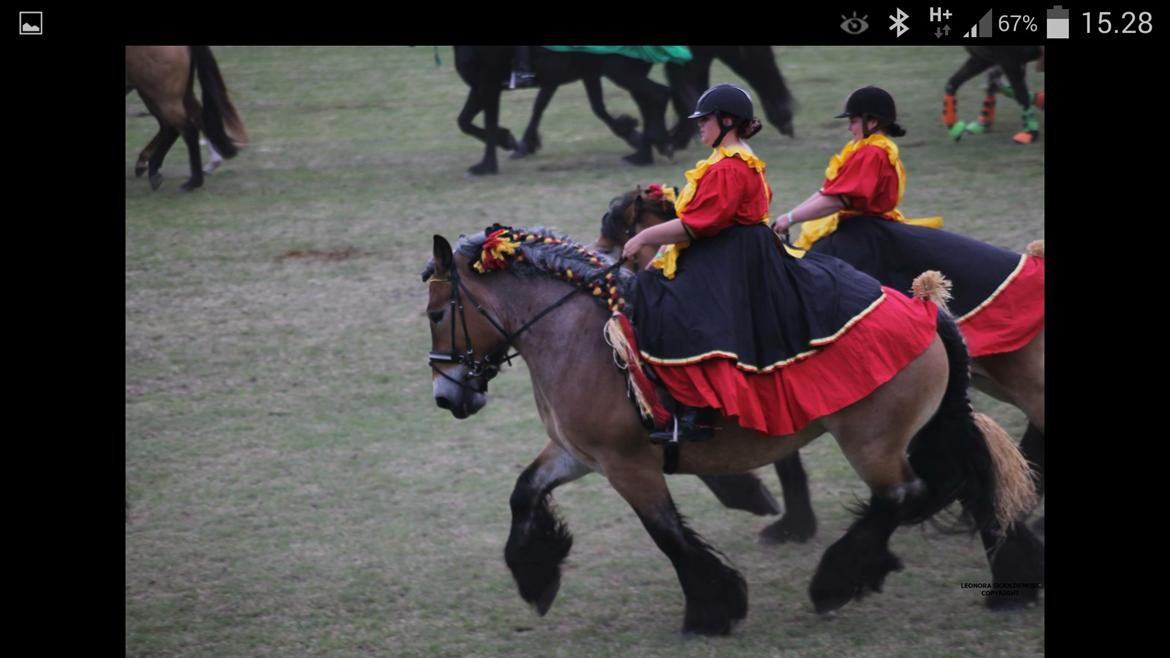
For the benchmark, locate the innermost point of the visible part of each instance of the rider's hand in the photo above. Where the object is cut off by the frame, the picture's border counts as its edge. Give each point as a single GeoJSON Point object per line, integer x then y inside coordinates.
{"type": "Point", "coordinates": [632, 247]}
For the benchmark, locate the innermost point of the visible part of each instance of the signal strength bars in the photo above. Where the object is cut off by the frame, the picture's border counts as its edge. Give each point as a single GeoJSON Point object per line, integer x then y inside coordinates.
{"type": "Point", "coordinates": [982, 29]}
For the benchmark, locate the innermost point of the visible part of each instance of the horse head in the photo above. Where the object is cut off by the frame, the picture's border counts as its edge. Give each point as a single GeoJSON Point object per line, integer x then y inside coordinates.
{"type": "Point", "coordinates": [476, 314]}
{"type": "Point", "coordinates": [632, 212]}
{"type": "Point", "coordinates": [459, 340]}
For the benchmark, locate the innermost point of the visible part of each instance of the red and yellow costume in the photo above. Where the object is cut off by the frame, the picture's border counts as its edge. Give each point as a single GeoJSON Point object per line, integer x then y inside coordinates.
{"type": "Point", "coordinates": [998, 294]}
{"type": "Point", "coordinates": [735, 323]}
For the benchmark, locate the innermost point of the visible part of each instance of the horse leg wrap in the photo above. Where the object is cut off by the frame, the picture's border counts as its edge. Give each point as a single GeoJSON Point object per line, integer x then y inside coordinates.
{"type": "Point", "coordinates": [950, 110]}
{"type": "Point", "coordinates": [1031, 131]}
{"type": "Point", "coordinates": [987, 114]}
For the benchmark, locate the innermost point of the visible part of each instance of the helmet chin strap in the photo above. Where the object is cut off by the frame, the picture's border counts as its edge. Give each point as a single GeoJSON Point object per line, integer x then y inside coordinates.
{"type": "Point", "coordinates": [723, 130]}
{"type": "Point", "coordinates": [865, 131]}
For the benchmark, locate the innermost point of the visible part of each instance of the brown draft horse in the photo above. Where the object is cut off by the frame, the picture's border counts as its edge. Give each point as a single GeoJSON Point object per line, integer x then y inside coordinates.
{"type": "Point", "coordinates": [532, 307]}
{"type": "Point", "coordinates": [164, 77]}
{"type": "Point", "coordinates": [1014, 377]}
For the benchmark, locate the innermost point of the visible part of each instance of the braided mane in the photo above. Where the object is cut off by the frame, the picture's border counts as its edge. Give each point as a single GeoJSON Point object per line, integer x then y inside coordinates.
{"type": "Point", "coordinates": [540, 251]}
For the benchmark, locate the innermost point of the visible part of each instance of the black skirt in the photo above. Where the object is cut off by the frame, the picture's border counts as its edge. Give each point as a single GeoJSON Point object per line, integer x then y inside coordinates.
{"type": "Point", "coordinates": [740, 295]}
{"type": "Point", "coordinates": [895, 253]}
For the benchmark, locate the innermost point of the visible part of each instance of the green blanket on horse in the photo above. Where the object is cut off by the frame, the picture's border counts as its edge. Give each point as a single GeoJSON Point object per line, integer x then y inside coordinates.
{"type": "Point", "coordinates": [655, 54]}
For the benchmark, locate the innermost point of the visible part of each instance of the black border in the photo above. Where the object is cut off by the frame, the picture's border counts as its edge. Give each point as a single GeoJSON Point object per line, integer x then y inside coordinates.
{"type": "Point", "coordinates": [68, 231]}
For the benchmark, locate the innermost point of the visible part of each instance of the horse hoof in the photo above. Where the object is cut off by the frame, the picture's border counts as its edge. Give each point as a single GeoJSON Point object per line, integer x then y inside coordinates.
{"type": "Point", "coordinates": [787, 530]}
{"type": "Point", "coordinates": [522, 150]}
{"type": "Point", "coordinates": [638, 159]}
{"type": "Point", "coordinates": [190, 186]}
{"type": "Point", "coordinates": [481, 169]}
{"type": "Point", "coordinates": [139, 170]}
{"type": "Point", "coordinates": [155, 181]}
{"type": "Point", "coordinates": [508, 143]}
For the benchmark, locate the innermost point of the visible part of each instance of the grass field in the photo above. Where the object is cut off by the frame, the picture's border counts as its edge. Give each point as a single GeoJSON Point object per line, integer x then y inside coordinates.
{"type": "Point", "coordinates": [292, 488]}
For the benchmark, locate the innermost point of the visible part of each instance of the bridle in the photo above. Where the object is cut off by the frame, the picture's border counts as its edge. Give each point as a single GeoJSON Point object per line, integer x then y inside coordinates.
{"type": "Point", "coordinates": [488, 366]}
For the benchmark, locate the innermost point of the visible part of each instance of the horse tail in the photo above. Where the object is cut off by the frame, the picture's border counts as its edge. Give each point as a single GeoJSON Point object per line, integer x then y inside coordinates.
{"type": "Point", "coordinates": [961, 454]}
{"type": "Point", "coordinates": [1036, 248]}
{"type": "Point", "coordinates": [221, 122]}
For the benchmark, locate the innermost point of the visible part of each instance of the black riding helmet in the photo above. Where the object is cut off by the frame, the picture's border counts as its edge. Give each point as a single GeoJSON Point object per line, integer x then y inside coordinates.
{"type": "Point", "coordinates": [875, 102]}
{"type": "Point", "coordinates": [724, 100]}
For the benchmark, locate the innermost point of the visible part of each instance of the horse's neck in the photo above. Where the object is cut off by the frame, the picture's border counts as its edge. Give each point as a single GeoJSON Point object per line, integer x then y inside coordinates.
{"type": "Point", "coordinates": [565, 343]}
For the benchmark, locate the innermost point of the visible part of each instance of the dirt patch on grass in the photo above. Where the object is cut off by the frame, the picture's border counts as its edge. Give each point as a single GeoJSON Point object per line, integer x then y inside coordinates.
{"type": "Point", "coordinates": [344, 253]}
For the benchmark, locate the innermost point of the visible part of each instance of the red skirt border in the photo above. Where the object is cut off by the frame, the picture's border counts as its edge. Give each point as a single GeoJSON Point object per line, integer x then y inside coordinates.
{"type": "Point", "coordinates": [1012, 316]}
{"type": "Point", "coordinates": [787, 398]}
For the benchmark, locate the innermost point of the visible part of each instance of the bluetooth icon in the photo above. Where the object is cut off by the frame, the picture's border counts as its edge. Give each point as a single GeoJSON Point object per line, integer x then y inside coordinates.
{"type": "Point", "coordinates": [899, 21]}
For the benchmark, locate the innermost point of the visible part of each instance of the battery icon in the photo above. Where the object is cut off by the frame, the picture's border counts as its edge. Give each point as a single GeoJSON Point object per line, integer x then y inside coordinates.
{"type": "Point", "coordinates": [1057, 23]}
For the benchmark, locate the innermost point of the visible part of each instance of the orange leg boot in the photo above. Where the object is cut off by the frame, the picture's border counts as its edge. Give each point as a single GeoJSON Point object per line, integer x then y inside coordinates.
{"type": "Point", "coordinates": [987, 114]}
{"type": "Point", "coordinates": [950, 111]}
{"type": "Point", "coordinates": [1031, 131]}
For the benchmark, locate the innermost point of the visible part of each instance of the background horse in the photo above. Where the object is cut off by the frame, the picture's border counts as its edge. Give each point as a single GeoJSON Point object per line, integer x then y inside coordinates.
{"type": "Point", "coordinates": [1013, 377]}
{"type": "Point", "coordinates": [755, 64]}
{"type": "Point", "coordinates": [476, 319]}
{"type": "Point", "coordinates": [1011, 62]}
{"type": "Point", "coordinates": [484, 68]}
{"type": "Point", "coordinates": [164, 77]}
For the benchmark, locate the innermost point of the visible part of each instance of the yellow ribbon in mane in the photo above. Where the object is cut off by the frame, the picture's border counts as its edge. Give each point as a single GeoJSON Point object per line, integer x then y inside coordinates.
{"type": "Point", "coordinates": [815, 229]}
{"type": "Point", "coordinates": [666, 259]}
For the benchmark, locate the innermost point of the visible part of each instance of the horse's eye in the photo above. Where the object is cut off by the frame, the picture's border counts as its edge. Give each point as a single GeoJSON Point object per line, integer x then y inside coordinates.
{"type": "Point", "coordinates": [436, 316]}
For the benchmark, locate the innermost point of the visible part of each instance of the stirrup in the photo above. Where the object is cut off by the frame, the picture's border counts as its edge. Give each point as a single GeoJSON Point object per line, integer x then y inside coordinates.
{"type": "Point", "coordinates": [520, 80]}
{"type": "Point", "coordinates": [681, 432]}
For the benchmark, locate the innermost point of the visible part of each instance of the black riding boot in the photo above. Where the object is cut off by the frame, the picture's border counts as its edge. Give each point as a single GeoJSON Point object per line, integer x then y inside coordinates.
{"type": "Point", "coordinates": [521, 70]}
{"type": "Point", "coordinates": [688, 424]}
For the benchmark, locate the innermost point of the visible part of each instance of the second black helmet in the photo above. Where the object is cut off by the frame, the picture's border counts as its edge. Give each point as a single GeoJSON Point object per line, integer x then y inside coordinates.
{"type": "Point", "coordinates": [725, 99]}
{"type": "Point", "coordinates": [872, 101]}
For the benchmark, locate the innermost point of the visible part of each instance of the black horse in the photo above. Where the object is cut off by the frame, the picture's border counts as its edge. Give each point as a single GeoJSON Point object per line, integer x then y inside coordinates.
{"type": "Point", "coordinates": [755, 64]}
{"type": "Point", "coordinates": [1011, 62]}
{"type": "Point", "coordinates": [484, 68]}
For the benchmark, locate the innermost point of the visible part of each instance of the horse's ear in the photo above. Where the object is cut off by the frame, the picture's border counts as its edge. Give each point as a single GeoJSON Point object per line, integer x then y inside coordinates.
{"type": "Point", "coordinates": [442, 254]}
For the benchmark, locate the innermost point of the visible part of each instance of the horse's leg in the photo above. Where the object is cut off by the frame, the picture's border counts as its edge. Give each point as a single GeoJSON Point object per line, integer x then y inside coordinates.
{"type": "Point", "coordinates": [144, 155]}
{"type": "Point", "coordinates": [743, 491]}
{"type": "Point", "coordinates": [716, 594]}
{"type": "Point", "coordinates": [757, 65]}
{"type": "Point", "coordinates": [624, 126]}
{"type": "Point", "coordinates": [539, 541]}
{"type": "Point", "coordinates": [195, 156]}
{"type": "Point", "coordinates": [651, 98]}
{"type": "Point", "coordinates": [484, 98]}
{"type": "Point", "coordinates": [873, 434]}
{"type": "Point", "coordinates": [530, 142]}
{"type": "Point", "coordinates": [799, 523]}
{"type": "Point", "coordinates": [166, 138]}
{"type": "Point", "coordinates": [971, 68]}
{"type": "Point", "coordinates": [1015, 75]}
{"type": "Point", "coordinates": [682, 98]}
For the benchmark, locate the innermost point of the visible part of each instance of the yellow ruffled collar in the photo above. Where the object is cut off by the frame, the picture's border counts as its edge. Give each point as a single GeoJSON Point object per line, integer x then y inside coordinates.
{"type": "Point", "coordinates": [741, 151]}
{"type": "Point", "coordinates": [877, 139]}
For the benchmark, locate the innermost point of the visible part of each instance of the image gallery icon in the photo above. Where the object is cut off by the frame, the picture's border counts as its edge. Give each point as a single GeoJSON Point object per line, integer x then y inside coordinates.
{"type": "Point", "coordinates": [31, 22]}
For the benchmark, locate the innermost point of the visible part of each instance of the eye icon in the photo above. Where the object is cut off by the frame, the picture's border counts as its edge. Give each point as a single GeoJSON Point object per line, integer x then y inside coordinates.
{"type": "Point", "coordinates": [854, 25]}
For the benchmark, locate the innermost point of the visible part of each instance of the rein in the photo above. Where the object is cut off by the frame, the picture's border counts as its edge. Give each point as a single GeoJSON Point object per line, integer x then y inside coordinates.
{"type": "Point", "coordinates": [487, 367]}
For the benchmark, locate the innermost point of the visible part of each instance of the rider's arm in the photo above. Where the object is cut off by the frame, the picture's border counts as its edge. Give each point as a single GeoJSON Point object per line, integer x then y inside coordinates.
{"type": "Point", "coordinates": [816, 206]}
{"type": "Point", "coordinates": [665, 233]}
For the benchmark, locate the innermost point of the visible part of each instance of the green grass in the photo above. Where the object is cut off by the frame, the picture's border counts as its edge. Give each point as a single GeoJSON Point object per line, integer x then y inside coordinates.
{"type": "Point", "coordinates": [293, 489]}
